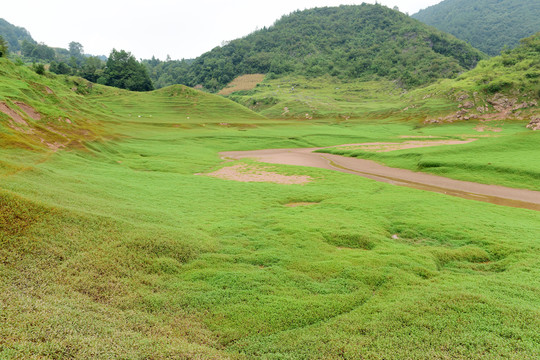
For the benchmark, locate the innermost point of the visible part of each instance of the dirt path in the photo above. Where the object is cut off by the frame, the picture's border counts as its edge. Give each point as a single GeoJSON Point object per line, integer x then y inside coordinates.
{"type": "Point", "coordinates": [306, 157]}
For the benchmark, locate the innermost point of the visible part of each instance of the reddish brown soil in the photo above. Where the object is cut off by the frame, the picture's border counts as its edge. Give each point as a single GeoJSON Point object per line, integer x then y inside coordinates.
{"type": "Point", "coordinates": [33, 114]}
{"type": "Point", "coordinates": [12, 114]}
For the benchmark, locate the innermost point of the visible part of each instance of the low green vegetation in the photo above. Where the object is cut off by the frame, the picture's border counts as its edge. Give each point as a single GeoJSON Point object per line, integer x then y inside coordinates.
{"type": "Point", "coordinates": [488, 25]}
{"type": "Point", "coordinates": [117, 247]}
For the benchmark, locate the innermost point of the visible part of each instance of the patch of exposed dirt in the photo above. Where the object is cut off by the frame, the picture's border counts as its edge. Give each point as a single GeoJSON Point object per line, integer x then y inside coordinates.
{"type": "Point", "coordinates": [534, 124]}
{"type": "Point", "coordinates": [55, 146]}
{"type": "Point", "coordinates": [418, 137]}
{"type": "Point", "coordinates": [482, 128]}
{"type": "Point", "coordinates": [30, 111]}
{"type": "Point", "coordinates": [298, 204]}
{"type": "Point", "coordinates": [251, 173]}
{"type": "Point", "coordinates": [387, 147]}
{"type": "Point", "coordinates": [498, 107]}
{"type": "Point", "coordinates": [244, 82]}
{"type": "Point", "coordinates": [12, 114]}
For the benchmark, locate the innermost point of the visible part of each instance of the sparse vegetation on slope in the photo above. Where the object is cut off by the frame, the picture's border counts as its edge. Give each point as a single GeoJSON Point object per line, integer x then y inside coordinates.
{"type": "Point", "coordinates": [505, 87]}
{"type": "Point", "coordinates": [489, 25]}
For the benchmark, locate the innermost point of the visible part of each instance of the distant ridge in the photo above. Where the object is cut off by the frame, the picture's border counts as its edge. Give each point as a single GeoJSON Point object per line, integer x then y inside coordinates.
{"type": "Point", "coordinates": [14, 35]}
{"type": "Point", "coordinates": [489, 25]}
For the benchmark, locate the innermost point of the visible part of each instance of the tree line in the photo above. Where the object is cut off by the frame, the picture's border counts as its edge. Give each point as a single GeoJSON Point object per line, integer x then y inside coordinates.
{"type": "Point", "coordinates": [121, 69]}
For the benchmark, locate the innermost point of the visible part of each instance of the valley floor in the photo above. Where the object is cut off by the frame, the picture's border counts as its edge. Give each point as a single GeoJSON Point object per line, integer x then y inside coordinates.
{"type": "Point", "coordinates": [119, 250]}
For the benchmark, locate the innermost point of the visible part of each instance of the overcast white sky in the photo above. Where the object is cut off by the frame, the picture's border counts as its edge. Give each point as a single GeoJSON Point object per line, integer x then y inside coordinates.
{"type": "Point", "coordinates": [181, 29]}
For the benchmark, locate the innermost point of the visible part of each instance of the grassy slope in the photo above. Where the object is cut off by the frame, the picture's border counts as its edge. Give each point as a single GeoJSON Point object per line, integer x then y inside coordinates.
{"type": "Point", "coordinates": [326, 97]}
{"type": "Point", "coordinates": [118, 250]}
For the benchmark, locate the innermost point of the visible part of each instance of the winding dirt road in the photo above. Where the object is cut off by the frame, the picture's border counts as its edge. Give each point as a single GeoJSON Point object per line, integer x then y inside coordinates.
{"type": "Point", "coordinates": [494, 194]}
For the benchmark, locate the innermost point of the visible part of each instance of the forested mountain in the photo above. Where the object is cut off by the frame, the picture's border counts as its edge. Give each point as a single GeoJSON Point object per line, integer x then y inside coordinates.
{"type": "Point", "coordinates": [489, 25]}
{"type": "Point", "coordinates": [14, 35]}
{"type": "Point", "coordinates": [363, 41]}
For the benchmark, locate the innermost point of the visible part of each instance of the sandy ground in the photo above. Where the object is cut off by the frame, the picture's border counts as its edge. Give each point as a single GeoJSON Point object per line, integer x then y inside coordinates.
{"type": "Point", "coordinates": [246, 173]}
{"type": "Point", "coordinates": [387, 147]}
{"type": "Point", "coordinates": [306, 157]}
{"type": "Point", "coordinates": [299, 204]}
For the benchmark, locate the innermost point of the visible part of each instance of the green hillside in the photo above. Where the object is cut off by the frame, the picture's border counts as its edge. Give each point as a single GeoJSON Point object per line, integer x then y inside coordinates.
{"type": "Point", "coordinates": [347, 42]}
{"type": "Point", "coordinates": [489, 25]}
{"type": "Point", "coordinates": [40, 111]}
{"type": "Point", "coordinates": [14, 35]}
{"type": "Point", "coordinates": [504, 88]}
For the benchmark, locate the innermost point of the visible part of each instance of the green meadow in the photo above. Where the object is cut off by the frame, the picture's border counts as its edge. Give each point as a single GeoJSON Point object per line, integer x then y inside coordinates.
{"type": "Point", "coordinates": [116, 247]}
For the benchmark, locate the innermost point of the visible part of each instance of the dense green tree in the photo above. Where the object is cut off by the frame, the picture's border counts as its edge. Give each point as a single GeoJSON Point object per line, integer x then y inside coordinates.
{"type": "Point", "coordinates": [43, 52]}
{"type": "Point", "coordinates": [123, 71]}
{"type": "Point", "coordinates": [92, 68]}
{"type": "Point", "coordinates": [60, 68]}
{"type": "Point", "coordinates": [37, 51]}
{"type": "Point", "coordinates": [39, 68]}
{"type": "Point", "coordinates": [3, 47]}
{"type": "Point", "coordinates": [76, 50]}
{"type": "Point", "coordinates": [27, 47]}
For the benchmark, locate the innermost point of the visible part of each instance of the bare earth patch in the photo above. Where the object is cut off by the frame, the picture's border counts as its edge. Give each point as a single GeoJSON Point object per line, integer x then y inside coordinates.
{"type": "Point", "coordinates": [298, 204]}
{"type": "Point", "coordinates": [250, 173]}
{"type": "Point", "coordinates": [418, 137]}
{"type": "Point", "coordinates": [33, 114]}
{"type": "Point", "coordinates": [387, 147]}
{"type": "Point", "coordinates": [481, 128]}
{"type": "Point", "coordinates": [12, 114]}
{"type": "Point", "coordinates": [244, 82]}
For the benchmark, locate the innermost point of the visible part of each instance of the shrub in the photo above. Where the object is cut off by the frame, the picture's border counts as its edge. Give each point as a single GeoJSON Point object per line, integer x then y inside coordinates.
{"type": "Point", "coordinates": [39, 68]}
